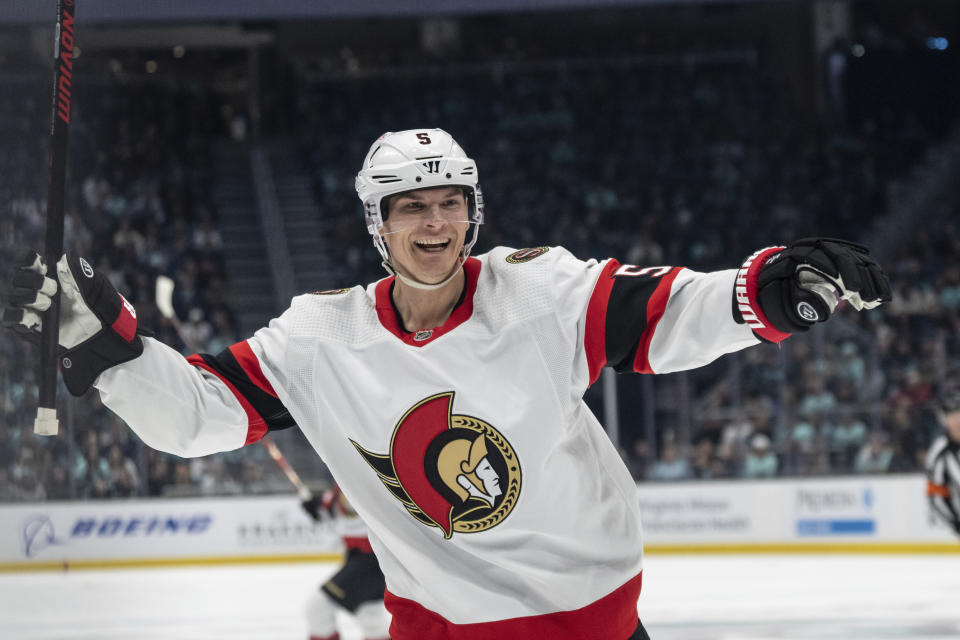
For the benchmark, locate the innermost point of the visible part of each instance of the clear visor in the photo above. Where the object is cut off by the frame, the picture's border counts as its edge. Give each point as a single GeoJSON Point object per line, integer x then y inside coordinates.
{"type": "Point", "coordinates": [471, 216]}
{"type": "Point", "coordinates": [398, 225]}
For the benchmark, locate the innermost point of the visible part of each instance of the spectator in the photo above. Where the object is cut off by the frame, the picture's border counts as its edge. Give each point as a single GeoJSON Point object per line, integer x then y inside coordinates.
{"type": "Point", "coordinates": [760, 461]}
{"type": "Point", "coordinates": [639, 459]}
{"type": "Point", "coordinates": [123, 473]}
{"type": "Point", "coordinates": [875, 455]}
{"type": "Point", "coordinates": [817, 398]}
{"type": "Point", "coordinates": [734, 437]}
{"type": "Point", "coordinates": [847, 437]}
{"type": "Point", "coordinates": [160, 473]}
{"type": "Point", "coordinates": [706, 464]}
{"type": "Point", "coordinates": [670, 466]}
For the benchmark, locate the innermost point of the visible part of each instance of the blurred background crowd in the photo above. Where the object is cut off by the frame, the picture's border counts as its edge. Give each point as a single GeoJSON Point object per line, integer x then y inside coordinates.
{"type": "Point", "coordinates": [656, 136]}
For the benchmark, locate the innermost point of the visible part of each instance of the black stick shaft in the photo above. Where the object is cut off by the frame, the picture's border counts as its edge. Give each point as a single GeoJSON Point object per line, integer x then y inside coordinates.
{"type": "Point", "coordinates": [53, 241]}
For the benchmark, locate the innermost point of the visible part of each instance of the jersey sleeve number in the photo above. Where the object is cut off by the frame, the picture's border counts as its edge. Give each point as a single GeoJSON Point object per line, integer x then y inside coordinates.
{"type": "Point", "coordinates": [634, 270]}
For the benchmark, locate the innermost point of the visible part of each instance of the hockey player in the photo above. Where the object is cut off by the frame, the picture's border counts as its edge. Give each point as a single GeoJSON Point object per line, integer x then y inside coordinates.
{"type": "Point", "coordinates": [446, 399]}
{"type": "Point", "coordinates": [943, 458]}
{"type": "Point", "coordinates": [357, 588]}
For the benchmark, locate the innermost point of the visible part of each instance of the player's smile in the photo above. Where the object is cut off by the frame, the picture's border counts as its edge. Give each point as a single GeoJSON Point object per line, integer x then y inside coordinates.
{"type": "Point", "coordinates": [432, 245]}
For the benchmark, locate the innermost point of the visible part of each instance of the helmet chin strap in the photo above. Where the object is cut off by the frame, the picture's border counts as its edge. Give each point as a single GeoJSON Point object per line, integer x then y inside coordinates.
{"type": "Point", "coordinates": [416, 284]}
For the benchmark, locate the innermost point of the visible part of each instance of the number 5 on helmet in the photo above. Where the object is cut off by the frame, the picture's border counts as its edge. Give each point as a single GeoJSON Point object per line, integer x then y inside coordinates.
{"type": "Point", "coordinates": [98, 327]}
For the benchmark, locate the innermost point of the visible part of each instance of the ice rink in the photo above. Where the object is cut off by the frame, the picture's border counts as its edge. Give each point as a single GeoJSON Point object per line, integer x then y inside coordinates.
{"type": "Point", "coordinates": [684, 598]}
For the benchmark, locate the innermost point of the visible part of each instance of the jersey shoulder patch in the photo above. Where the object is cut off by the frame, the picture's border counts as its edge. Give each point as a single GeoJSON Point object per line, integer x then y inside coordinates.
{"type": "Point", "coordinates": [526, 255]}
{"type": "Point", "coordinates": [329, 292]}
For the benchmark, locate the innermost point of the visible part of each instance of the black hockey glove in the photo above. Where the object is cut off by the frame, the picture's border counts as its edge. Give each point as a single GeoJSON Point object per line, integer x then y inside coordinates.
{"type": "Point", "coordinates": [98, 327]}
{"type": "Point", "coordinates": [785, 290]}
{"type": "Point", "coordinates": [312, 506]}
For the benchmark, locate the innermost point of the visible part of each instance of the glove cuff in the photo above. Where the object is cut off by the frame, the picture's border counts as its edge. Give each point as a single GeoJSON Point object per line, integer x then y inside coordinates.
{"type": "Point", "coordinates": [81, 364]}
{"type": "Point", "coordinates": [746, 289]}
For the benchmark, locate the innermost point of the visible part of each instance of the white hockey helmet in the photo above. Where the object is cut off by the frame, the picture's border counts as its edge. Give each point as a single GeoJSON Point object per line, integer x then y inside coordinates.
{"type": "Point", "coordinates": [415, 159]}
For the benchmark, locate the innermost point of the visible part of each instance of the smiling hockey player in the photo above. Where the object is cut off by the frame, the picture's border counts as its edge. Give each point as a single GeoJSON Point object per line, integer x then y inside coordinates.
{"type": "Point", "coordinates": [447, 399]}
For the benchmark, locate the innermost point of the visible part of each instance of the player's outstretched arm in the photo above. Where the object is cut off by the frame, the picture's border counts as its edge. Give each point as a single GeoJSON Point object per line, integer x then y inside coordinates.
{"type": "Point", "coordinates": [665, 319]}
{"type": "Point", "coordinates": [784, 290]}
{"type": "Point", "coordinates": [171, 404]}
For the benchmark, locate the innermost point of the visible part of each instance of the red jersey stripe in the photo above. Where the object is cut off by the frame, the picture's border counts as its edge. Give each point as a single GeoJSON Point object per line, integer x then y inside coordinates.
{"type": "Point", "coordinates": [612, 617]}
{"type": "Point", "coordinates": [126, 322]}
{"type": "Point", "coordinates": [594, 338]}
{"type": "Point", "coordinates": [256, 425]}
{"type": "Point", "coordinates": [747, 288]}
{"type": "Point", "coordinates": [361, 543]}
{"type": "Point", "coordinates": [655, 308]}
{"type": "Point", "coordinates": [250, 364]}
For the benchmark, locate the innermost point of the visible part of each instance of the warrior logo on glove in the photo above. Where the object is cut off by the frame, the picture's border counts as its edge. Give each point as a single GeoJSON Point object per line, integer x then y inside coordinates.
{"type": "Point", "coordinates": [87, 269]}
{"type": "Point", "coordinates": [454, 472]}
{"type": "Point", "coordinates": [806, 311]}
{"type": "Point", "coordinates": [98, 327]}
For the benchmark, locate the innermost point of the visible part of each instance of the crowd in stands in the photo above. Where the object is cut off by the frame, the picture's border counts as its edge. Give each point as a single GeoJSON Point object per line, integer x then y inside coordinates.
{"type": "Point", "coordinates": [858, 398]}
{"type": "Point", "coordinates": [673, 164]}
{"type": "Point", "coordinates": [138, 206]}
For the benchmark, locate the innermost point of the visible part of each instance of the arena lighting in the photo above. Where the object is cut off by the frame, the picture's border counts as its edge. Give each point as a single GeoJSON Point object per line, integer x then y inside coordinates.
{"type": "Point", "coordinates": [858, 50]}
{"type": "Point", "coordinates": [939, 44]}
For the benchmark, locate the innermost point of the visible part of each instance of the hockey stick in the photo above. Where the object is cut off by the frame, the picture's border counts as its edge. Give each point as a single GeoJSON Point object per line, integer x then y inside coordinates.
{"type": "Point", "coordinates": [302, 490]}
{"type": "Point", "coordinates": [46, 422]}
{"type": "Point", "coordinates": [163, 298]}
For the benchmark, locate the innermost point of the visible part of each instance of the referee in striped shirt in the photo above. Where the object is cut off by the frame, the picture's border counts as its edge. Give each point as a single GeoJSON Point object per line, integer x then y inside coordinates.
{"type": "Point", "coordinates": [943, 459]}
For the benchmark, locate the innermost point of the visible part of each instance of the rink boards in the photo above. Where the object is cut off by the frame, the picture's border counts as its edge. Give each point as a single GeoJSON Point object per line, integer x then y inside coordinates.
{"type": "Point", "coordinates": [881, 514]}
{"type": "Point", "coordinates": [859, 514]}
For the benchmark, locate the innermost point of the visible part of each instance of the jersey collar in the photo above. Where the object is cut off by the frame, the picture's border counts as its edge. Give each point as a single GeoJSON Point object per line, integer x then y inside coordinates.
{"type": "Point", "coordinates": [388, 316]}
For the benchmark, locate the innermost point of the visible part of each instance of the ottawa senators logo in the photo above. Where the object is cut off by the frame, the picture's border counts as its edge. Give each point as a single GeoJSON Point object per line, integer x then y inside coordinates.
{"type": "Point", "coordinates": [526, 255]}
{"type": "Point", "coordinates": [454, 472]}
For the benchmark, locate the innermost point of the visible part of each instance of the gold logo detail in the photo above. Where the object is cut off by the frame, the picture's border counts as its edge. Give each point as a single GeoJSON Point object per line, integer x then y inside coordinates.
{"type": "Point", "coordinates": [526, 255]}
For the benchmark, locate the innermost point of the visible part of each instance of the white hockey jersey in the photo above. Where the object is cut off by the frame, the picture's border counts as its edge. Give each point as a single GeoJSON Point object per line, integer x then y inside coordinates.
{"type": "Point", "coordinates": [496, 504]}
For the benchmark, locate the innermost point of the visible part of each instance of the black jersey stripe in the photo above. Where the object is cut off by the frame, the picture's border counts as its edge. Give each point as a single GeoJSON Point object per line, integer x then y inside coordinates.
{"type": "Point", "coordinates": [270, 413]}
{"type": "Point", "coordinates": [633, 310]}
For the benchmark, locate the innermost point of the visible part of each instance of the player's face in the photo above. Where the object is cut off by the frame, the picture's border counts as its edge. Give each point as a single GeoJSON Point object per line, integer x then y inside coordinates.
{"type": "Point", "coordinates": [425, 232]}
{"type": "Point", "coordinates": [951, 421]}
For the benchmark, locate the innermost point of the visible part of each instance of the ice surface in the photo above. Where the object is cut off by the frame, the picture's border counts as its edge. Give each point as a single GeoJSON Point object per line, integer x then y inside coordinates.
{"type": "Point", "coordinates": [725, 597]}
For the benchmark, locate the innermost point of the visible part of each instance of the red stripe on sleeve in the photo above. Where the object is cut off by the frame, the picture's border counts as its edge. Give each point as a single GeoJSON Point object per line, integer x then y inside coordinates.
{"type": "Point", "coordinates": [256, 425]}
{"type": "Point", "coordinates": [655, 308]}
{"type": "Point", "coordinates": [251, 366]}
{"type": "Point", "coordinates": [747, 288]}
{"type": "Point", "coordinates": [126, 323]}
{"type": "Point", "coordinates": [594, 338]}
